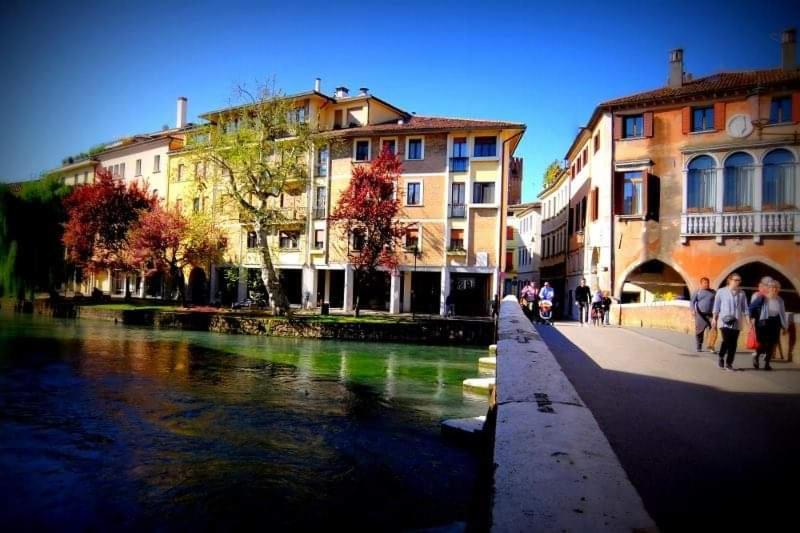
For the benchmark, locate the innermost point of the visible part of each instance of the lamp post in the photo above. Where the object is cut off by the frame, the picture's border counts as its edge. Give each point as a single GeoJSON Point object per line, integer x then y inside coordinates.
{"type": "Point", "coordinates": [415, 251]}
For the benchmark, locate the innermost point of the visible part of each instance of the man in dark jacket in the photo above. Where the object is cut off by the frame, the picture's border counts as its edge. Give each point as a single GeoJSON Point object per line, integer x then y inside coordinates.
{"type": "Point", "coordinates": [702, 304]}
{"type": "Point", "coordinates": [583, 299]}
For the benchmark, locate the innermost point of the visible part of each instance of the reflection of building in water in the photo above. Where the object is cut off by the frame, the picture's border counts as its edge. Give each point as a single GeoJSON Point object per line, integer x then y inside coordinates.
{"type": "Point", "coordinates": [439, 393]}
{"type": "Point", "coordinates": [343, 373]}
{"type": "Point", "coordinates": [391, 380]}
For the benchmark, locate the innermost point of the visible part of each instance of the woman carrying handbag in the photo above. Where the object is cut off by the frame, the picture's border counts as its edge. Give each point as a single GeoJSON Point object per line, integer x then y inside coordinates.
{"type": "Point", "coordinates": [768, 319]}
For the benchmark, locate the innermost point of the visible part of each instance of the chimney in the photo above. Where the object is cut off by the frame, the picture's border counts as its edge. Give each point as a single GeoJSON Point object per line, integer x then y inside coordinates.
{"type": "Point", "coordinates": [788, 49]}
{"type": "Point", "coordinates": [342, 92]}
{"type": "Point", "coordinates": [180, 122]}
{"type": "Point", "coordinates": [676, 68]}
{"type": "Point", "coordinates": [363, 91]}
{"type": "Point", "coordinates": [318, 85]}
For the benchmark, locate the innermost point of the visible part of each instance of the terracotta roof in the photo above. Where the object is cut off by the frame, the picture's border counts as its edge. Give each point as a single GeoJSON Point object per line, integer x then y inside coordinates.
{"type": "Point", "coordinates": [418, 124]}
{"type": "Point", "coordinates": [716, 83]}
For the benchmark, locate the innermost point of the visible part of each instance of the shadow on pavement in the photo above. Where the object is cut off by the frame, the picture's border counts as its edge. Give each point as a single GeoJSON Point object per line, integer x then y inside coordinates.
{"type": "Point", "coordinates": [700, 457]}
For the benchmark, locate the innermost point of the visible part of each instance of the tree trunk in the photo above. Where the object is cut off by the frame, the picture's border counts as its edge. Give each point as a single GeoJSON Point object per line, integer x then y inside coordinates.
{"type": "Point", "coordinates": [277, 298]}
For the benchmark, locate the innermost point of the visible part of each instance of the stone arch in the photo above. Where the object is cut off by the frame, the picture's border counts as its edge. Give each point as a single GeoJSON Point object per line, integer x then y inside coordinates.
{"type": "Point", "coordinates": [714, 158]}
{"type": "Point", "coordinates": [754, 268]}
{"type": "Point", "coordinates": [660, 276]}
{"type": "Point", "coordinates": [756, 159]}
{"type": "Point", "coordinates": [791, 149]}
{"type": "Point", "coordinates": [197, 286]}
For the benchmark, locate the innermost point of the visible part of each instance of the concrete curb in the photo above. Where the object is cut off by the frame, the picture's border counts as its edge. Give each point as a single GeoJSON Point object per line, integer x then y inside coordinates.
{"type": "Point", "coordinates": [554, 467]}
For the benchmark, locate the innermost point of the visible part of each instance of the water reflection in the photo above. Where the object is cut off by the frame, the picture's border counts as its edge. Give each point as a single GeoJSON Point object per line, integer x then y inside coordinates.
{"type": "Point", "coordinates": [104, 426]}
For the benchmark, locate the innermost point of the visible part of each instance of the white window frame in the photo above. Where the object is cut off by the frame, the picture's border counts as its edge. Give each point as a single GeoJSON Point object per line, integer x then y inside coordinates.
{"type": "Point", "coordinates": [156, 163]}
{"type": "Point", "coordinates": [497, 148]}
{"type": "Point", "coordinates": [418, 225]}
{"type": "Point", "coordinates": [138, 167]}
{"type": "Point", "coordinates": [396, 144]}
{"type": "Point", "coordinates": [421, 193]}
{"type": "Point", "coordinates": [369, 149]}
{"type": "Point", "coordinates": [422, 151]}
{"type": "Point", "coordinates": [484, 204]}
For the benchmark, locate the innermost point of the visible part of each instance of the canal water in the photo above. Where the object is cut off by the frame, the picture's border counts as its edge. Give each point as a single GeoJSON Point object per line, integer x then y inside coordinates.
{"type": "Point", "coordinates": [106, 427]}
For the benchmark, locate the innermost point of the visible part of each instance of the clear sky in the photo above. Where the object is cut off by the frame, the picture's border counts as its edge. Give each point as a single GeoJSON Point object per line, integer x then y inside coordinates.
{"type": "Point", "coordinates": [75, 74]}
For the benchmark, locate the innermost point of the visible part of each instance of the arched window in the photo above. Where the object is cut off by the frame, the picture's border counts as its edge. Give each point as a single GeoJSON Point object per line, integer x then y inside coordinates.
{"type": "Point", "coordinates": [780, 180]}
{"type": "Point", "coordinates": [738, 185]}
{"type": "Point", "coordinates": [701, 184]}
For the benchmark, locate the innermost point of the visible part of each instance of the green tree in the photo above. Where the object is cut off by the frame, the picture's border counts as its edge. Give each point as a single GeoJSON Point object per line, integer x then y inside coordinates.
{"type": "Point", "coordinates": [551, 173]}
{"type": "Point", "coordinates": [259, 152]}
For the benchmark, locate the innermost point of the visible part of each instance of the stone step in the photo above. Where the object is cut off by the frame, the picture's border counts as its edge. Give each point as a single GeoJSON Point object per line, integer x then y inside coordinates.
{"type": "Point", "coordinates": [464, 425]}
{"type": "Point", "coordinates": [479, 384]}
{"type": "Point", "coordinates": [490, 362]}
{"type": "Point", "coordinates": [493, 349]}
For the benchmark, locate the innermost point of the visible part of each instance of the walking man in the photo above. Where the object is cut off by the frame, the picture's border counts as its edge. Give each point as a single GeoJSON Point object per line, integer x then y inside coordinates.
{"type": "Point", "coordinates": [702, 304]}
{"type": "Point", "coordinates": [730, 307]}
{"type": "Point", "coordinates": [583, 298]}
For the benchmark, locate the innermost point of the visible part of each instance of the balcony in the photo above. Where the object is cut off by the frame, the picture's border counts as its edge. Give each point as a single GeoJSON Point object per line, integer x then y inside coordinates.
{"type": "Point", "coordinates": [456, 247]}
{"type": "Point", "coordinates": [459, 164]}
{"type": "Point", "coordinates": [321, 171]}
{"type": "Point", "coordinates": [457, 210]}
{"type": "Point", "coordinates": [753, 223]}
{"type": "Point", "coordinates": [290, 216]}
{"type": "Point", "coordinates": [320, 213]}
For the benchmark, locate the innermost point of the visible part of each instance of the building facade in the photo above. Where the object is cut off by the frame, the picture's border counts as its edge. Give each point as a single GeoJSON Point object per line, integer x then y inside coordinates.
{"type": "Point", "coordinates": [523, 245]}
{"type": "Point", "coordinates": [555, 200]}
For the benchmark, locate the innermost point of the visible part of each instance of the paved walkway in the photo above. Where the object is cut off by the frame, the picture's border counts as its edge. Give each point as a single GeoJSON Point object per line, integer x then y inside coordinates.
{"type": "Point", "coordinates": [704, 447]}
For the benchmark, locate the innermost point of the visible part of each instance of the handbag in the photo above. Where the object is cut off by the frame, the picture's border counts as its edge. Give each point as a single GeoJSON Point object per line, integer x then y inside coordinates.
{"type": "Point", "coordinates": [712, 338]}
{"type": "Point", "coordinates": [752, 340]}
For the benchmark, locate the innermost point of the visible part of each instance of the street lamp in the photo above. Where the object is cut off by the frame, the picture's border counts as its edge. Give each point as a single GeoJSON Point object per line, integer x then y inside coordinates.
{"type": "Point", "coordinates": [415, 251]}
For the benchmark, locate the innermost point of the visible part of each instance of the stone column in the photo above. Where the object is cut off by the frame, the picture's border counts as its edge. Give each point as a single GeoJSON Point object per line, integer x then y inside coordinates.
{"type": "Point", "coordinates": [394, 293]}
{"type": "Point", "coordinates": [407, 292]}
{"type": "Point", "coordinates": [242, 293]}
{"type": "Point", "coordinates": [213, 283]}
{"type": "Point", "coordinates": [444, 291]}
{"type": "Point", "coordinates": [327, 295]}
{"type": "Point", "coordinates": [309, 287]}
{"type": "Point", "coordinates": [349, 280]}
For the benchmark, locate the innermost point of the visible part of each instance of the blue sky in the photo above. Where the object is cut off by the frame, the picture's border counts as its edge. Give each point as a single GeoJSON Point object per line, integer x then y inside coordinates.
{"type": "Point", "coordinates": [79, 73]}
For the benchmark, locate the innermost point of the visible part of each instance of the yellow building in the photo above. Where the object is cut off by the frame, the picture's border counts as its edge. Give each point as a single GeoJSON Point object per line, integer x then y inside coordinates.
{"type": "Point", "coordinates": [453, 191]}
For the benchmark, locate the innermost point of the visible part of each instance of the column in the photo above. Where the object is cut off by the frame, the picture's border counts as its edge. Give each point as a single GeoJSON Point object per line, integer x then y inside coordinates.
{"type": "Point", "coordinates": [141, 284]}
{"type": "Point", "coordinates": [445, 290]}
{"type": "Point", "coordinates": [327, 296]}
{"type": "Point", "coordinates": [213, 283]}
{"type": "Point", "coordinates": [719, 205]}
{"type": "Point", "coordinates": [242, 294]}
{"type": "Point", "coordinates": [394, 293]}
{"type": "Point", "coordinates": [349, 280]}
{"type": "Point", "coordinates": [407, 292]}
{"type": "Point", "coordinates": [309, 287]}
{"type": "Point", "coordinates": [758, 174]}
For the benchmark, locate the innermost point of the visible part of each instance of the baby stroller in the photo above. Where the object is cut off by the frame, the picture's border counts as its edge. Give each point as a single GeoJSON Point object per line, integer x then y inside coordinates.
{"type": "Point", "coordinates": [546, 311]}
{"type": "Point", "coordinates": [597, 314]}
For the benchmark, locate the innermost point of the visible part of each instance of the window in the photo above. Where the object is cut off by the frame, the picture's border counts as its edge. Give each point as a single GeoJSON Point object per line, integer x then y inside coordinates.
{"type": "Point", "coordinates": [196, 205]}
{"type": "Point", "coordinates": [631, 193]}
{"type": "Point", "coordinates": [138, 167]}
{"type": "Point", "coordinates": [703, 118]}
{"type": "Point", "coordinates": [585, 156]}
{"type": "Point", "coordinates": [457, 207]}
{"type": "Point", "coordinates": [509, 233]}
{"type": "Point", "coordinates": [321, 202]}
{"type": "Point", "coordinates": [456, 239]}
{"type": "Point", "coordinates": [321, 166]}
{"type": "Point", "coordinates": [596, 143]}
{"type": "Point", "coordinates": [595, 195]}
{"type": "Point", "coordinates": [252, 240]}
{"type": "Point", "coordinates": [358, 240]}
{"type": "Point", "coordinates": [778, 190]}
{"type": "Point", "coordinates": [483, 193]}
{"type": "Point", "coordinates": [157, 163]}
{"type": "Point", "coordinates": [181, 168]}
{"type": "Point", "coordinates": [633, 126]}
{"type": "Point", "coordinates": [289, 239]}
{"type": "Point", "coordinates": [412, 238]}
{"type": "Point", "coordinates": [780, 110]}
{"type": "Point", "coordinates": [460, 160]}
{"type": "Point", "coordinates": [337, 119]}
{"type": "Point", "coordinates": [485, 147]}
{"type": "Point", "coordinates": [362, 151]}
{"type": "Point", "coordinates": [414, 193]}
{"type": "Point", "coordinates": [319, 239]}
{"type": "Point", "coordinates": [390, 145]}
{"type": "Point", "coordinates": [86, 177]}
{"type": "Point", "coordinates": [738, 185]}
{"type": "Point", "coordinates": [199, 170]}
{"type": "Point", "coordinates": [509, 260]}
{"type": "Point", "coordinates": [701, 189]}
{"type": "Point", "coordinates": [352, 119]}
{"type": "Point", "coordinates": [416, 149]}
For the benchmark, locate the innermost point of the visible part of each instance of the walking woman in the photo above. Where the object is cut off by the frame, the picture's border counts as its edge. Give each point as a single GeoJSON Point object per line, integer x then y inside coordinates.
{"type": "Point", "coordinates": [768, 316]}
{"type": "Point", "coordinates": [730, 308]}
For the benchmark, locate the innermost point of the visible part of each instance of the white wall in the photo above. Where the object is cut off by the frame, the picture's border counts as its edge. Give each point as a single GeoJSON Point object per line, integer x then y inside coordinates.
{"type": "Point", "coordinates": [145, 151]}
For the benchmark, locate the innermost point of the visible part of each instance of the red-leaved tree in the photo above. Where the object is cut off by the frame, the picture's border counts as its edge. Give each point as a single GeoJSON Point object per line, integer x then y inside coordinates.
{"type": "Point", "coordinates": [366, 214]}
{"type": "Point", "coordinates": [164, 241]}
{"type": "Point", "coordinates": [99, 217]}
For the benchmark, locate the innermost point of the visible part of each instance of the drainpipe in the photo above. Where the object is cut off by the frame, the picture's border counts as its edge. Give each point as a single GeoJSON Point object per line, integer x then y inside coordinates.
{"type": "Point", "coordinates": [612, 275]}
{"type": "Point", "coordinates": [500, 248]}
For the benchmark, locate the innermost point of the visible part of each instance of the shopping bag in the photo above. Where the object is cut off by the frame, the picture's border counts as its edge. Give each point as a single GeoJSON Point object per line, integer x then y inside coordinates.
{"type": "Point", "coordinates": [752, 340]}
{"type": "Point", "coordinates": [712, 338]}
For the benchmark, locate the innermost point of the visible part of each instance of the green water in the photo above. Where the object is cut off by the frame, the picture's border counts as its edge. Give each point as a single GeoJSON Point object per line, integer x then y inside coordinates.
{"type": "Point", "coordinates": [103, 425]}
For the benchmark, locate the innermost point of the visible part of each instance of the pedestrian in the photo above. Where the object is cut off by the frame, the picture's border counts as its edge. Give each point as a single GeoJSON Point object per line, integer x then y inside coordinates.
{"type": "Point", "coordinates": [449, 304]}
{"type": "Point", "coordinates": [597, 308]}
{"type": "Point", "coordinates": [583, 296]}
{"type": "Point", "coordinates": [762, 292]}
{"type": "Point", "coordinates": [546, 303]}
{"type": "Point", "coordinates": [534, 305]}
{"type": "Point", "coordinates": [702, 305]}
{"type": "Point", "coordinates": [730, 307]}
{"type": "Point", "coordinates": [528, 295]}
{"type": "Point", "coordinates": [768, 316]}
{"type": "Point", "coordinates": [606, 308]}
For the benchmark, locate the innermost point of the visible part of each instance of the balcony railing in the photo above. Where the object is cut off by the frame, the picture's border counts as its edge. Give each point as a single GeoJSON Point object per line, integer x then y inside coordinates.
{"type": "Point", "coordinates": [459, 164]}
{"type": "Point", "coordinates": [320, 213]}
{"type": "Point", "coordinates": [755, 223]}
{"type": "Point", "coordinates": [458, 210]}
{"type": "Point", "coordinates": [291, 215]}
{"type": "Point", "coordinates": [456, 246]}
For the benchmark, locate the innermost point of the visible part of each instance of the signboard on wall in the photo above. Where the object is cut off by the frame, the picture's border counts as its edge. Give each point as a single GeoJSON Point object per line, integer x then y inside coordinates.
{"type": "Point", "coordinates": [465, 284]}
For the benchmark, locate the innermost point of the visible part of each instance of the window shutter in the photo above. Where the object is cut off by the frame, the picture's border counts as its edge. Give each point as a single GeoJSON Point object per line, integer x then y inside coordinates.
{"type": "Point", "coordinates": [618, 189]}
{"type": "Point", "coordinates": [569, 221]}
{"type": "Point", "coordinates": [617, 127]}
{"type": "Point", "coordinates": [652, 196]}
{"type": "Point", "coordinates": [796, 106]}
{"type": "Point", "coordinates": [719, 116]}
{"type": "Point", "coordinates": [686, 121]}
{"type": "Point", "coordinates": [648, 124]}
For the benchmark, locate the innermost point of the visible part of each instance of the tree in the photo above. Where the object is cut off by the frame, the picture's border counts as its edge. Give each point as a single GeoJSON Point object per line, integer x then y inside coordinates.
{"type": "Point", "coordinates": [366, 214]}
{"type": "Point", "coordinates": [551, 173]}
{"type": "Point", "coordinates": [262, 151]}
{"type": "Point", "coordinates": [165, 242]}
{"type": "Point", "coordinates": [99, 217]}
